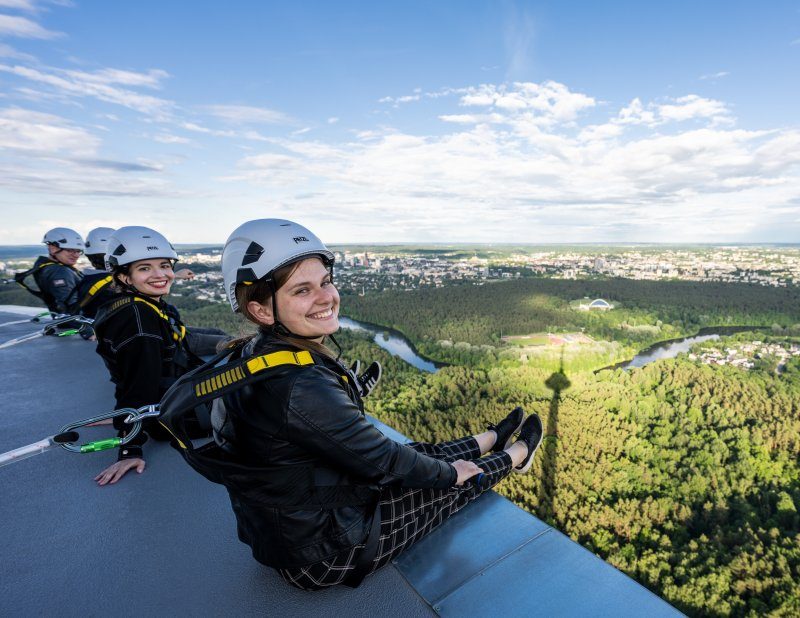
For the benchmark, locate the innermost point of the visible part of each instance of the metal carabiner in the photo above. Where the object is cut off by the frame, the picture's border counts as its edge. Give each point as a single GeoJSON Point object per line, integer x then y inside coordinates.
{"type": "Point", "coordinates": [102, 445]}
{"type": "Point", "coordinates": [145, 412]}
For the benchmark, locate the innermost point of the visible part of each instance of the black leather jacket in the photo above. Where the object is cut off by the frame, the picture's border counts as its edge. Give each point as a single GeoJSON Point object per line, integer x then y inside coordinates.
{"type": "Point", "coordinates": [311, 464]}
{"type": "Point", "coordinates": [141, 343]}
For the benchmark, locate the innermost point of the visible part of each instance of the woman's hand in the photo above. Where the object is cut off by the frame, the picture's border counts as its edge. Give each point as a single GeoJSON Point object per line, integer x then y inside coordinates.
{"type": "Point", "coordinates": [466, 470]}
{"type": "Point", "coordinates": [116, 471]}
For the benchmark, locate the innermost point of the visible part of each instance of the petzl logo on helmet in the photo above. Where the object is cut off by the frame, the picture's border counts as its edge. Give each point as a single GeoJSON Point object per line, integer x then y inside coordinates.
{"type": "Point", "coordinates": [299, 239]}
{"type": "Point", "coordinates": [152, 248]}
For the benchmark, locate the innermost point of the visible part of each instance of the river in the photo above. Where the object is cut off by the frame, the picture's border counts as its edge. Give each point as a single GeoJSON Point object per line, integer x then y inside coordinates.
{"type": "Point", "coordinates": [391, 341]}
{"type": "Point", "coordinates": [395, 343]}
{"type": "Point", "coordinates": [671, 349]}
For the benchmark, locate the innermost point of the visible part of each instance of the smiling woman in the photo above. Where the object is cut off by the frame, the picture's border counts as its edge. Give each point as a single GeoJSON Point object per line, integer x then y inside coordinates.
{"type": "Point", "coordinates": [318, 492]}
{"type": "Point", "coordinates": [140, 337]}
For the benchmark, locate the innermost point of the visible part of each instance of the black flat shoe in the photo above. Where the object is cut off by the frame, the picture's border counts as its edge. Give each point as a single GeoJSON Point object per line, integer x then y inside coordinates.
{"type": "Point", "coordinates": [531, 433]}
{"type": "Point", "coordinates": [506, 429]}
{"type": "Point", "coordinates": [368, 380]}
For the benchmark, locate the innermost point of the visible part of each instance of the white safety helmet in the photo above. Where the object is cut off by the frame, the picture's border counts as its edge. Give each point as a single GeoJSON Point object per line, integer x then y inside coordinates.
{"type": "Point", "coordinates": [133, 243]}
{"type": "Point", "coordinates": [63, 238]}
{"type": "Point", "coordinates": [97, 240]}
{"type": "Point", "coordinates": [256, 249]}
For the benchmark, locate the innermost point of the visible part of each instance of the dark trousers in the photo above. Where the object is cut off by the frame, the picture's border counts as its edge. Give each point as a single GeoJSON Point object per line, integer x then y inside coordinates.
{"type": "Point", "coordinates": [407, 515]}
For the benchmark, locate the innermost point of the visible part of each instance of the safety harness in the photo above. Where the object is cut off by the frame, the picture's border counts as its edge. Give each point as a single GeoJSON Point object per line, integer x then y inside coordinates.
{"type": "Point", "coordinates": [20, 279]}
{"type": "Point", "coordinates": [96, 288]}
{"type": "Point", "coordinates": [186, 404]}
{"type": "Point", "coordinates": [177, 329]}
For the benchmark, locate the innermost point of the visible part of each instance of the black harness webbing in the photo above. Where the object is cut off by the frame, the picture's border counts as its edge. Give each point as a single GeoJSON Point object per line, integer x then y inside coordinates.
{"type": "Point", "coordinates": [209, 382]}
{"type": "Point", "coordinates": [367, 555]}
{"type": "Point", "coordinates": [178, 330]}
{"type": "Point", "coordinates": [95, 290]}
{"type": "Point", "coordinates": [20, 279]}
{"type": "Point", "coordinates": [192, 393]}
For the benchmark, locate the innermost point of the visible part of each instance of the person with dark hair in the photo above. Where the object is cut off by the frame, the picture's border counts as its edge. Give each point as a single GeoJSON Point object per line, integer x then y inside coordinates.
{"type": "Point", "coordinates": [97, 287]}
{"type": "Point", "coordinates": [141, 338]}
{"type": "Point", "coordinates": [319, 493]}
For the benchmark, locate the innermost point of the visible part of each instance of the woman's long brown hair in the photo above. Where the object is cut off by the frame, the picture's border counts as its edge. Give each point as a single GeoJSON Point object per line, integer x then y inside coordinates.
{"type": "Point", "coordinates": [261, 292]}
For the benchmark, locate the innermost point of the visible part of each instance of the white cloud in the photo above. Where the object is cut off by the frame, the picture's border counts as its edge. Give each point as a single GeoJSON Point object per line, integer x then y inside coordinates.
{"type": "Point", "coordinates": [99, 85]}
{"type": "Point", "coordinates": [656, 171]}
{"type": "Point", "coordinates": [248, 135]}
{"type": "Point", "coordinates": [246, 114]}
{"type": "Point", "coordinates": [519, 38]}
{"type": "Point", "coordinates": [23, 27]}
{"type": "Point", "coordinates": [634, 113]}
{"type": "Point", "coordinates": [6, 51]}
{"type": "Point", "coordinates": [19, 5]}
{"type": "Point", "coordinates": [693, 106]}
{"type": "Point", "coordinates": [166, 138]}
{"type": "Point", "coordinates": [150, 79]}
{"type": "Point", "coordinates": [29, 131]}
{"type": "Point", "coordinates": [333, 120]}
{"type": "Point", "coordinates": [48, 154]}
{"type": "Point", "coordinates": [713, 76]}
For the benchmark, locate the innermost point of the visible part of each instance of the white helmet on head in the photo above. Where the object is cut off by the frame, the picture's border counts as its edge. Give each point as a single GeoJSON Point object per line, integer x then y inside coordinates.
{"type": "Point", "coordinates": [97, 240]}
{"type": "Point", "coordinates": [256, 249]}
{"type": "Point", "coordinates": [133, 243]}
{"type": "Point", "coordinates": [63, 238]}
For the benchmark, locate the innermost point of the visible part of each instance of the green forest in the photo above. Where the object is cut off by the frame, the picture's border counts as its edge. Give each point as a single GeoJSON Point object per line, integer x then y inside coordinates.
{"type": "Point", "coordinates": [464, 323]}
{"type": "Point", "coordinates": [684, 476]}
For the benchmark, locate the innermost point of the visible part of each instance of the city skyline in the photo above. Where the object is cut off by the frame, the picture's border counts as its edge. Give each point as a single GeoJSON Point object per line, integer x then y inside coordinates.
{"type": "Point", "coordinates": [504, 122]}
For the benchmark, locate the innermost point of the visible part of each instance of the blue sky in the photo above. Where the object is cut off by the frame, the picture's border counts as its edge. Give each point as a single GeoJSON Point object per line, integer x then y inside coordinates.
{"type": "Point", "coordinates": [410, 121]}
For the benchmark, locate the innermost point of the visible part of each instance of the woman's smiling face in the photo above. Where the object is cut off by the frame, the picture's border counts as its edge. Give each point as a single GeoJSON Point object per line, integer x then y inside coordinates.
{"type": "Point", "coordinates": [308, 303]}
{"type": "Point", "coordinates": [151, 277]}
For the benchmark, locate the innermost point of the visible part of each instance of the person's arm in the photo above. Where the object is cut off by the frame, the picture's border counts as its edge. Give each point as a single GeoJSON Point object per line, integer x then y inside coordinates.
{"type": "Point", "coordinates": [324, 420]}
{"type": "Point", "coordinates": [60, 282]}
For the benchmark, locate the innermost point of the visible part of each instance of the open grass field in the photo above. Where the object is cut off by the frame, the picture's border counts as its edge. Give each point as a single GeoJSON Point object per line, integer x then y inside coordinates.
{"type": "Point", "coordinates": [544, 339]}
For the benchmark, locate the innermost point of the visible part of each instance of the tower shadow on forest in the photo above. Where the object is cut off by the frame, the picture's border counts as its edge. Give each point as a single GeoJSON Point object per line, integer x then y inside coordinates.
{"type": "Point", "coordinates": [557, 382]}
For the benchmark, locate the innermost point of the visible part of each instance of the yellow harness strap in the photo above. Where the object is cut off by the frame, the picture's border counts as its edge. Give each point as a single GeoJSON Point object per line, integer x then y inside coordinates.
{"type": "Point", "coordinates": [251, 367]}
{"type": "Point", "coordinates": [95, 289]}
{"type": "Point", "coordinates": [176, 335]}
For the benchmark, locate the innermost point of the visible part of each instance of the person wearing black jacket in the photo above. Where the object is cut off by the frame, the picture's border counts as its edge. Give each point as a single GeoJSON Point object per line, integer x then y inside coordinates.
{"type": "Point", "coordinates": [141, 338]}
{"type": "Point", "coordinates": [55, 274]}
{"type": "Point", "coordinates": [96, 288]}
{"type": "Point", "coordinates": [319, 493]}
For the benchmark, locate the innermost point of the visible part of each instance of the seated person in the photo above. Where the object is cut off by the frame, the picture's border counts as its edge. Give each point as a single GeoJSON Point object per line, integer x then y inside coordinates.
{"type": "Point", "coordinates": [140, 337]}
{"type": "Point", "coordinates": [318, 492]}
{"type": "Point", "coordinates": [55, 274]}
{"type": "Point", "coordinates": [96, 288]}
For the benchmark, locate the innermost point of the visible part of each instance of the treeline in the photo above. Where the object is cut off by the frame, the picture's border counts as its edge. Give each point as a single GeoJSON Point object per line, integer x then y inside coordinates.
{"type": "Point", "coordinates": [686, 477]}
{"type": "Point", "coordinates": [648, 311]}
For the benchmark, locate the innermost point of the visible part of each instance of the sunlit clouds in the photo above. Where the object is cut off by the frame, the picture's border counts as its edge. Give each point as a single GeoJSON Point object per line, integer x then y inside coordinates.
{"type": "Point", "coordinates": [495, 157]}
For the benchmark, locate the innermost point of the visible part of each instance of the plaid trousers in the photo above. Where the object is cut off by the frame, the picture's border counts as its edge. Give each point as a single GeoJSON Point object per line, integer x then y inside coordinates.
{"type": "Point", "coordinates": [407, 514]}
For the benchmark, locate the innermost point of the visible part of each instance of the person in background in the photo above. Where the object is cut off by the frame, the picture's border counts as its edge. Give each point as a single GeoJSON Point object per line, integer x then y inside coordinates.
{"type": "Point", "coordinates": [95, 288]}
{"type": "Point", "coordinates": [55, 274]}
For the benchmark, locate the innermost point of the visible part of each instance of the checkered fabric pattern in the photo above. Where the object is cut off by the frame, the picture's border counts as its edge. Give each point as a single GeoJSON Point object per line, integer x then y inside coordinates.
{"type": "Point", "coordinates": [407, 515]}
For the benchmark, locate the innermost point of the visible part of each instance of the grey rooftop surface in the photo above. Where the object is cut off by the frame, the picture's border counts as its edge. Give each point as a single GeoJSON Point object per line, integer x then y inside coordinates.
{"type": "Point", "coordinates": [164, 542]}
